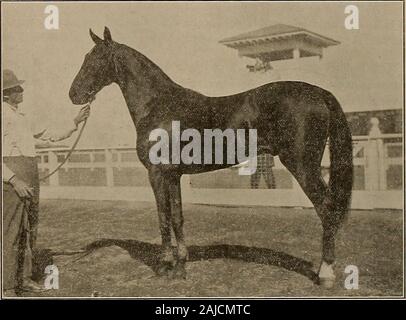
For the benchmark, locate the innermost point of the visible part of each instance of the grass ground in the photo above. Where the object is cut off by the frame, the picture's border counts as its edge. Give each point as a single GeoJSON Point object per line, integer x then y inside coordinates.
{"type": "Point", "coordinates": [234, 251]}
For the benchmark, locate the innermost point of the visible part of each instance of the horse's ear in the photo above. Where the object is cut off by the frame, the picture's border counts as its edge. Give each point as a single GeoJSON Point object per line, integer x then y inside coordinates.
{"type": "Point", "coordinates": [95, 38]}
{"type": "Point", "coordinates": [107, 35]}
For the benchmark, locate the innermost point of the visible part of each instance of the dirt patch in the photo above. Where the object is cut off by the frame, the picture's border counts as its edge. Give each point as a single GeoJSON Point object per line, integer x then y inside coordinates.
{"type": "Point", "coordinates": [234, 252]}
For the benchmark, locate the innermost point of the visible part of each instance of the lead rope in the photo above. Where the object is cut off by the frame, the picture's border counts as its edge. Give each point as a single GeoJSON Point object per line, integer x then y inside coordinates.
{"type": "Point", "coordinates": [70, 151]}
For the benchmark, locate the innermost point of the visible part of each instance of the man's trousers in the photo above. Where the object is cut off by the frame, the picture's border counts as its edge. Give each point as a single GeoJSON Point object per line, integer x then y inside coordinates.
{"type": "Point", "coordinates": [20, 222]}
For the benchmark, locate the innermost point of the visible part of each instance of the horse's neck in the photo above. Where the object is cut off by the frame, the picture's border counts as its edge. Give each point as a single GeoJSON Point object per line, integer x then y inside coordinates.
{"type": "Point", "coordinates": [140, 81]}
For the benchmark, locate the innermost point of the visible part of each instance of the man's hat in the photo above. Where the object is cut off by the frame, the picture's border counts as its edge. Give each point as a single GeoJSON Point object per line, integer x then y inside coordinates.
{"type": "Point", "coordinates": [10, 80]}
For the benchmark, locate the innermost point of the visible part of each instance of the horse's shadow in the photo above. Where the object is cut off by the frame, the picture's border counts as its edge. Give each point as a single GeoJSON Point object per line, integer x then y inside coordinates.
{"type": "Point", "coordinates": [149, 254]}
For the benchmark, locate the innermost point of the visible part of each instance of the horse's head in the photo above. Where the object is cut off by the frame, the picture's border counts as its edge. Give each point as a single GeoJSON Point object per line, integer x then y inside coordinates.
{"type": "Point", "coordinates": [97, 71]}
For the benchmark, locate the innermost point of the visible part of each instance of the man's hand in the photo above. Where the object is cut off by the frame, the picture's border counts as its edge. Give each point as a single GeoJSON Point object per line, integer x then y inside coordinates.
{"type": "Point", "coordinates": [82, 115]}
{"type": "Point", "coordinates": [22, 188]}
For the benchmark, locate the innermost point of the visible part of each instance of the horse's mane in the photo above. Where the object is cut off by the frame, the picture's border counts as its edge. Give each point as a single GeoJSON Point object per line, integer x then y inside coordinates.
{"type": "Point", "coordinates": [154, 70]}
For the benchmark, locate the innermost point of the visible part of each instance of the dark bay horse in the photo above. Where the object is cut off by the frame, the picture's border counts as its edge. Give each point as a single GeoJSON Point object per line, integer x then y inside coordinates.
{"type": "Point", "coordinates": [293, 119]}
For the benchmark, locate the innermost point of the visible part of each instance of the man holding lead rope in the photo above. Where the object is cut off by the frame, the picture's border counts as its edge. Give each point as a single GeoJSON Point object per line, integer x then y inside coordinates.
{"type": "Point", "coordinates": [21, 184]}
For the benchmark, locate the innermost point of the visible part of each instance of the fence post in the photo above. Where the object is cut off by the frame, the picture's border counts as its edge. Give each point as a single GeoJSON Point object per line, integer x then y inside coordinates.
{"type": "Point", "coordinates": [52, 164]}
{"type": "Point", "coordinates": [109, 167]}
{"type": "Point", "coordinates": [374, 159]}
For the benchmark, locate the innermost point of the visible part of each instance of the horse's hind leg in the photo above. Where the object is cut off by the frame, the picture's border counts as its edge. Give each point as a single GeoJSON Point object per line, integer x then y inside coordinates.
{"type": "Point", "coordinates": [161, 192]}
{"type": "Point", "coordinates": [306, 170]}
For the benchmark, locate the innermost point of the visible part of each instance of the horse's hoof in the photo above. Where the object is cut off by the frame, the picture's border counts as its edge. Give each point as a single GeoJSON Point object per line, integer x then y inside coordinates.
{"type": "Point", "coordinates": [327, 283]}
{"type": "Point", "coordinates": [164, 268]}
{"type": "Point", "coordinates": [326, 275]}
{"type": "Point", "coordinates": [178, 272]}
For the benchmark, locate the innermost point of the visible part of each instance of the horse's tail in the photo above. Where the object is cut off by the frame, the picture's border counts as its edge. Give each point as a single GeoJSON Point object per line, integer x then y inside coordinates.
{"type": "Point", "coordinates": [341, 163]}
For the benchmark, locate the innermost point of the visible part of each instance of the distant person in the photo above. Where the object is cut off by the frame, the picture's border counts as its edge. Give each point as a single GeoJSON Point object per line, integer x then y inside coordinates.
{"type": "Point", "coordinates": [21, 184]}
{"type": "Point", "coordinates": [265, 162]}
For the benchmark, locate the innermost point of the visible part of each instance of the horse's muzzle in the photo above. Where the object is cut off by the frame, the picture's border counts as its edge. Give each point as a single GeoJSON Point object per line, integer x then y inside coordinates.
{"type": "Point", "coordinates": [82, 98]}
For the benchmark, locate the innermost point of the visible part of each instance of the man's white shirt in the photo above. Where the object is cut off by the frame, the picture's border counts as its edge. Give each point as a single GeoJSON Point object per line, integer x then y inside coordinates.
{"type": "Point", "coordinates": [20, 135]}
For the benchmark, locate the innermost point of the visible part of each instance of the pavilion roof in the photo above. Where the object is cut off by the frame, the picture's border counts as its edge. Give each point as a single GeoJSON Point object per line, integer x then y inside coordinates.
{"type": "Point", "coordinates": [276, 32]}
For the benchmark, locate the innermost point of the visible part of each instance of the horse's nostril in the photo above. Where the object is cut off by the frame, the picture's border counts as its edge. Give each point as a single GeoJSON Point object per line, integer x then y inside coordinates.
{"type": "Point", "coordinates": [91, 94]}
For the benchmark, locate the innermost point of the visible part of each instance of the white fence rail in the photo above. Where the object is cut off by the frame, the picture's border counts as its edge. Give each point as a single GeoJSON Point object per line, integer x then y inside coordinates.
{"type": "Point", "coordinates": [117, 174]}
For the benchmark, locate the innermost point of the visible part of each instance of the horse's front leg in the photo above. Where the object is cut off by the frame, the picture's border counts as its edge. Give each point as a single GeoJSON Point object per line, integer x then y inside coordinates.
{"type": "Point", "coordinates": [161, 192]}
{"type": "Point", "coordinates": [179, 270]}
